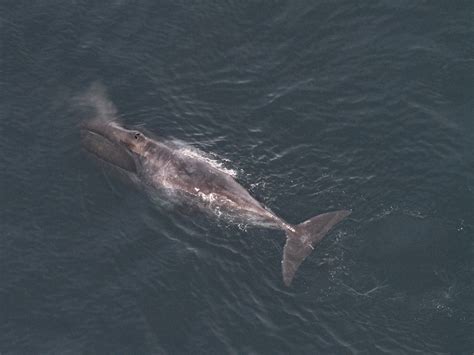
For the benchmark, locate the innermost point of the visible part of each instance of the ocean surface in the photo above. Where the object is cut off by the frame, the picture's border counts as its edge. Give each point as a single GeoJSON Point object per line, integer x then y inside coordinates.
{"type": "Point", "coordinates": [314, 105]}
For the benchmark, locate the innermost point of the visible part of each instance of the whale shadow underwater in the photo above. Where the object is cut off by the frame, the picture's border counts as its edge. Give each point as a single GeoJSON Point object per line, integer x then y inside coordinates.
{"type": "Point", "coordinates": [163, 167]}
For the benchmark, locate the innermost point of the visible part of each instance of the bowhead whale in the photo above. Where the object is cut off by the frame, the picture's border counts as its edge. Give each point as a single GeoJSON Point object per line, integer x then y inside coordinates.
{"type": "Point", "coordinates": [158, 164]}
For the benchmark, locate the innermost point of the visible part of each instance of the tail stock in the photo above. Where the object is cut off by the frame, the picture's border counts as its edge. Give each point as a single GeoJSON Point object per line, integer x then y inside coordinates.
{"type": "Point", "coordinates": [300, 242]}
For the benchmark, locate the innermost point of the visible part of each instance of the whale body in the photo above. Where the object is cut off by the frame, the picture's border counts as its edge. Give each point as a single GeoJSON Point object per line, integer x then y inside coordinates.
{"type": "Point", "coordinates": [162, 165]}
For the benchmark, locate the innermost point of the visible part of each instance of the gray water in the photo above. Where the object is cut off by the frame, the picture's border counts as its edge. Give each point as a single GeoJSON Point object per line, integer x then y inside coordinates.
{"type": "Point", "coordinates": [316, 105]}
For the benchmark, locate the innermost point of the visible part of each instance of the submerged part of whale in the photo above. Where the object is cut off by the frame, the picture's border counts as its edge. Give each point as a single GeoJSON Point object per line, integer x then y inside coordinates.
{"type": "Point", "coordinates": [106, 150]}
{"type": "Point", "coordinates": [161, 165]}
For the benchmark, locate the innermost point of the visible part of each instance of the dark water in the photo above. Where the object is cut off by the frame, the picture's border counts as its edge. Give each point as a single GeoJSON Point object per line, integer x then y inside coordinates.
{"type": "Point", "coordinates": [316, 105]}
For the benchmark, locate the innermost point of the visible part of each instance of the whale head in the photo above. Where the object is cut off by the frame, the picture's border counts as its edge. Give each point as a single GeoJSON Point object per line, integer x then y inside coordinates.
{"type": "Point", "coordinates": [114, 144]}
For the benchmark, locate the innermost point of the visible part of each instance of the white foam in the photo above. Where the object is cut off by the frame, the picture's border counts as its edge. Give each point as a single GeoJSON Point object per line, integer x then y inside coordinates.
{"type": "Point", "coordinates": [197, 154]}
{"type": "Point", "coordinates": [208, 197]}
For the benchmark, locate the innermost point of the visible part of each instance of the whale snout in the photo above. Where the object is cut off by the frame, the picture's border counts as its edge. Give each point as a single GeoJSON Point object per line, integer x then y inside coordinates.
{"type": "Point", "coordinates": [110, 143]}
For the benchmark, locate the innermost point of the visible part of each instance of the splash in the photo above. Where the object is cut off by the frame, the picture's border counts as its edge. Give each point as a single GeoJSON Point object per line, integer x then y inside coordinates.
{"type": "Point", "coordinates": [197, 154]}
{"type": "Point", "coordinates": [211, 197]}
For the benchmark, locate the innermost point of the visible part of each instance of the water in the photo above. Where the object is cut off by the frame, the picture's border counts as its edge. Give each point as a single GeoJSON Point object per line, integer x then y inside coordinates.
{"type": "Point", "coordinates": [315, 106]}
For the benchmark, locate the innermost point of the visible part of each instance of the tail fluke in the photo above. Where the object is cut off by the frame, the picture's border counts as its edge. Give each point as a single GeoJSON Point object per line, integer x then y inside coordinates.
{"type": "Point", "coordinates": [301, 242]}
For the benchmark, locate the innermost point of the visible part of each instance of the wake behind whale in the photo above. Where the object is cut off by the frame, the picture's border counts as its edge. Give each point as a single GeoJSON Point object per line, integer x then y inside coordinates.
{"type": "Point", "coordinates": [176, 169]}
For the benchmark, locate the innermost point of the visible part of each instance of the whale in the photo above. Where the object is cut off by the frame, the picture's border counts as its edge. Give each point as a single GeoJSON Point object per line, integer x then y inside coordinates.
{"type": "Point", "coordinates": [161, 165]}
